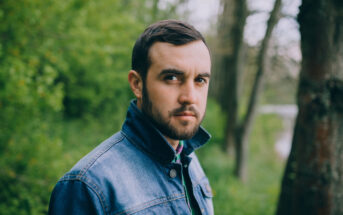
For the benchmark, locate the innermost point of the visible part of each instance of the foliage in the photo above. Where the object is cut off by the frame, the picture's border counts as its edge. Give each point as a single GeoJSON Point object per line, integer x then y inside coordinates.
{"type": "Point", "coordinates": [30, 171]}
{"type": "Point", "coordinates": [214, 121]}
{"type": "Point", "coordinates": [63, 89]}
{"type": "Point", "coordinates": [260, 193]}
{"type": "Point", "coordinates": [59, 60]}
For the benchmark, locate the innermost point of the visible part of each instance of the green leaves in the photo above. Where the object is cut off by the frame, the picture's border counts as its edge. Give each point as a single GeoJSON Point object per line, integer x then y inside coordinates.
{"type": "Point", "coordinates": [58, 58]}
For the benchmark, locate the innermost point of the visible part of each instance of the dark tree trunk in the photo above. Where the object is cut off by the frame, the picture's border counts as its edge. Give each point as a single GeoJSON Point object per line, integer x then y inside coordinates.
{"type": "Point", "coordinates": [313, 179]}
{"type": "Point", "coordinates": [231, 92]}
{"type": "Point", "coordinates": [230, 52]}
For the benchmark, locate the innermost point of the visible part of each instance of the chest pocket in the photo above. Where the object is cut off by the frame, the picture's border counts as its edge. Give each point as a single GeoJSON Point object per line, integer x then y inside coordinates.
{"type": "Point", "coordinates": [205, 193]}
{"type": "Point", "coordinates": [202, 189]}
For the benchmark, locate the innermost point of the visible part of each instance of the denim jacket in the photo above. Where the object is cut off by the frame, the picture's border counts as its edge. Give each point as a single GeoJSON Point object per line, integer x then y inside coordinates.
{"type": "Point", "coordinates": [132, 173]}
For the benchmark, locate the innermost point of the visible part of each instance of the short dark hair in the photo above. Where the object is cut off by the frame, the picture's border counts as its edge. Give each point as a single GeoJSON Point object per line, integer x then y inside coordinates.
{"type": "Point", "coordinates": [171, 31]}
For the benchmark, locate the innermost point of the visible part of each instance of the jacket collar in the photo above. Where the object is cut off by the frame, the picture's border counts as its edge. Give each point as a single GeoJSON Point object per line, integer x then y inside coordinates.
{"type": "Point", "coordinates": [142, 133]}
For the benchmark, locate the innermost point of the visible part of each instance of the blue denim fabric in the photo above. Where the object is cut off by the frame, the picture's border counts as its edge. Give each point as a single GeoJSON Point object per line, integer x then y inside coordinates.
{"type": "Point", "coordinates": [132, 173]}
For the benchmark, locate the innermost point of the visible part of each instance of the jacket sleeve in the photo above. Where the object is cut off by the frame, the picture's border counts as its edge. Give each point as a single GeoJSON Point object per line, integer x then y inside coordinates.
{"type": "Point", "coordinates": [74, 197]}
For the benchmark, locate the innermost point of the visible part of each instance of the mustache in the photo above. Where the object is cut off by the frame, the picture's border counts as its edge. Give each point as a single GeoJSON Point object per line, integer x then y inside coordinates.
{"type": "Point", "coordinates": [184, 108]}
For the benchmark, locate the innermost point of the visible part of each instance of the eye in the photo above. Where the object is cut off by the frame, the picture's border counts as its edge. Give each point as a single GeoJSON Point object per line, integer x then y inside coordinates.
{"type": "Point", "coordinates": [170, 78]}
{"type": "Point", "coordinates": [201, 80]}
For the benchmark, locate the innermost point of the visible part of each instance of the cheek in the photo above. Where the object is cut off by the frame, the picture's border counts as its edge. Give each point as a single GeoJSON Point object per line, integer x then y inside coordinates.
{"type": "Point", "coordinates": [163, 93]}
{"type": "Point", "coordinates": [203, 101]}
{"type": "Point", "coordinates": [160, 97]}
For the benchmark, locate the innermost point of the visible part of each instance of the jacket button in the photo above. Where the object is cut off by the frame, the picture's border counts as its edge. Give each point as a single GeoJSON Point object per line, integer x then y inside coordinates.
{"type": "Point", "coordinates": [172, 173]}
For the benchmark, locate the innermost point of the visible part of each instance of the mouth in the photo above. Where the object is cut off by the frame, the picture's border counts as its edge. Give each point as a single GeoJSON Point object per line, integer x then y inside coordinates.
{"type": "Point", "coordinates": [185, 115]}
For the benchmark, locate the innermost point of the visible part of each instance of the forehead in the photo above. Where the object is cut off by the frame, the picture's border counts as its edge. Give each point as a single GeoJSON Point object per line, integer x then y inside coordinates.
{"type": "Point", "coordinates": [191, 56]}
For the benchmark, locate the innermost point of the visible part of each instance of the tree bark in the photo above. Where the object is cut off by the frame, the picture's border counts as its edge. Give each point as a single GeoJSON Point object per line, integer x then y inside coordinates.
{"type": "Point", "coordinates": [313, 178]}
{"type": "Point", "coordinates": [230, 52]}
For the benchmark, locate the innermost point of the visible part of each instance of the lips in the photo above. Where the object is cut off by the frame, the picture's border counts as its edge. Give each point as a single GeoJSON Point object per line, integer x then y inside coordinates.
{"type": "Point", "coordinates": [185, 113]}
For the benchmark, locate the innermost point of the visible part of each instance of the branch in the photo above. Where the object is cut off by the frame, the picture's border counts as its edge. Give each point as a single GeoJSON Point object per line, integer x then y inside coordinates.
{"type": "Point", "coordinates": [253, 12]}
{"type": "Point", "coordinates": [258, 83]}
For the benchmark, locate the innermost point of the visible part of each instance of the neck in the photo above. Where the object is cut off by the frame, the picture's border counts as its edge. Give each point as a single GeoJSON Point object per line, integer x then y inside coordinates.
{"type": "Point", "coordinates": [172, 142]}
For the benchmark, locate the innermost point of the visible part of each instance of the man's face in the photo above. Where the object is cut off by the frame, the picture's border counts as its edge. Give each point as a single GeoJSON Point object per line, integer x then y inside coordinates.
{"type": "Point", "coordinates": [176, 86]}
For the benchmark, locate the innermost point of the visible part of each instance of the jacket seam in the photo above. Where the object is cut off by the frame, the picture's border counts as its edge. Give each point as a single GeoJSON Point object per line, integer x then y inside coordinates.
{"type": "Point", "coordinates": [81, 174]}
{"type": "Point", "coordinates": [97, 155]}
{"type": "Point", "coordinates": [94, 189]}
{"type": "Point", "coordinates": [150, 204]}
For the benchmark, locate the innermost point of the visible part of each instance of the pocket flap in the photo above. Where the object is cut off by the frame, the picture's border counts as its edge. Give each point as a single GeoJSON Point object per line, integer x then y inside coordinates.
{"type": "Point", "coordinates": [206, 189]}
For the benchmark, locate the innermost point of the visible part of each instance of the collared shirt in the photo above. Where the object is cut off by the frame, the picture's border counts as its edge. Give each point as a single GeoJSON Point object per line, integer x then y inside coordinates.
{"type": "Point", "coordinates": [132, 173]}
{"type": "Point", "coordinates": [178, 151]}
{"type": "Point", "coordinates": [188, 189]}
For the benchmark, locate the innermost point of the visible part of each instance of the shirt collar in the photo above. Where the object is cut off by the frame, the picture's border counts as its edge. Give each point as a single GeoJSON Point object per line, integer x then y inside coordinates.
{"type": "Point", "coordinates": [178, 151]}
{"type": "Point", "coordinates": [142, 133]}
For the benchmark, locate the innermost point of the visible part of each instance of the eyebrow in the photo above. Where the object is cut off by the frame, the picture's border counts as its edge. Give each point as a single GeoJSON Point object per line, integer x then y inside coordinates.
{"type": "Point", "coordinates": [205, 74]}
{"type": "Point", "coordinates": [179, 72]}
{"type": "Point", "coordinates": [171, 71]}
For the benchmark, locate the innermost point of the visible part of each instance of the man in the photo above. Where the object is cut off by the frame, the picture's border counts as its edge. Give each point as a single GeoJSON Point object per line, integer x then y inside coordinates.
{"type": "Point", "coordinates": [149, 166]}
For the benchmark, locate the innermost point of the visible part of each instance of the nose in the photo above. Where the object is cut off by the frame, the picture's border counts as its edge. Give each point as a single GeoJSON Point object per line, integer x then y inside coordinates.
{"type": "Point", "coordinates": [188, 93]}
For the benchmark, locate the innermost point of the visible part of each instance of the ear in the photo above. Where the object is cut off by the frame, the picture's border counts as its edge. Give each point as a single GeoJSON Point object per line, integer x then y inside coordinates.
{"type": "Point", "coordinates": [136, 83]}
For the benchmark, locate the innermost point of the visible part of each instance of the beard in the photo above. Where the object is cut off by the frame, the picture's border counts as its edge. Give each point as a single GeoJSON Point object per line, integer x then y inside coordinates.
{"type": "Point", "coordinates": [164, 125]}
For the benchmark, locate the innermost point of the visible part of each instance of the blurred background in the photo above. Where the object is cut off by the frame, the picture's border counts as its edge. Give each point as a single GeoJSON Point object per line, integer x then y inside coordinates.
{"type": "Point", "coordinates": [63, 90]}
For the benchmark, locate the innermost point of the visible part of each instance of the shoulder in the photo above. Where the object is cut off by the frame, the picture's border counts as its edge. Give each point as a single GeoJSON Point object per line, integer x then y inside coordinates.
{"type": "Point", "coordinates": [107, 155]}
{"type": "Point", "coordinates": [97, 154]}
{"type": "Point", "coordinates": [85, 182]}
{"type": "Point", "coordinates": [106, 163]}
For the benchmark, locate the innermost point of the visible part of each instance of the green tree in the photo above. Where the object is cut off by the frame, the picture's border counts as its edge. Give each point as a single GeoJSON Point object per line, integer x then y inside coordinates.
{"type": "Point", "coordinates": [58, 58]}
